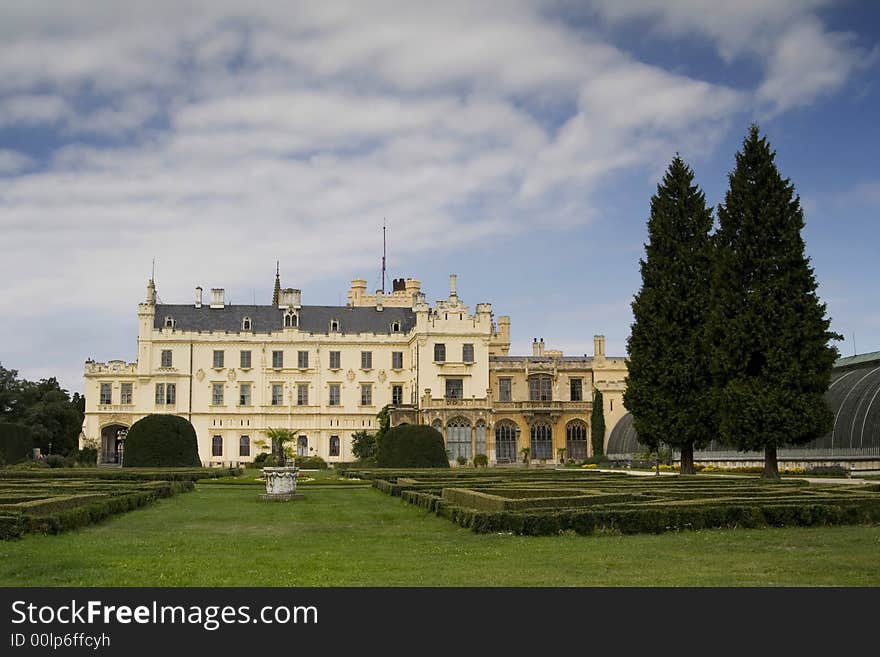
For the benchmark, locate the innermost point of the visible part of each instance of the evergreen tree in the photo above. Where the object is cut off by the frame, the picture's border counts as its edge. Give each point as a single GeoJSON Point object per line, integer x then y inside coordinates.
{"type": "Point", "coordinates": [770, 355]}
{"type": "Point", "coordinates": [668, 384]}
{"type": "Point", "coordinates": [597, 424]}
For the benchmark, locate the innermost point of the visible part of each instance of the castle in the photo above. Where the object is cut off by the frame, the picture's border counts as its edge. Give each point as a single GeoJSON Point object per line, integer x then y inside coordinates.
{"type": "Point", "coordinates": [325, 372]}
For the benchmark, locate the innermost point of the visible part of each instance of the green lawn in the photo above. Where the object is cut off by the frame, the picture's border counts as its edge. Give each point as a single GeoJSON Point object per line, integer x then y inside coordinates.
{"type": "Point", "coordinates": [224, 536]}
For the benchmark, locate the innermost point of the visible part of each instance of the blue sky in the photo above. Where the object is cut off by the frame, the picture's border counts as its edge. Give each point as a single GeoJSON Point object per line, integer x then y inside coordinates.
{"type": "Point", "coordinates": [516, 144]}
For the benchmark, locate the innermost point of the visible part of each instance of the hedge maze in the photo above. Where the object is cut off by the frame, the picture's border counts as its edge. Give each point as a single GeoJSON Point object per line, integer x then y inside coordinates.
{"type": "Point", "coordinates": [53, 501]}
{"type": "Point", "coordinates": [541, 503]}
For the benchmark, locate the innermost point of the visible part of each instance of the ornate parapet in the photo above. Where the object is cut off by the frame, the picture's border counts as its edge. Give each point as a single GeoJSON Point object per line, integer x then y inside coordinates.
{"type": "Point", "coordinates": [110, 367]}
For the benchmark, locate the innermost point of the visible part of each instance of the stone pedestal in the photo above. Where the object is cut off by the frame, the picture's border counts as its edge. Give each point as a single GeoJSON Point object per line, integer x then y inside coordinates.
{"type": "Point", "coordinates": [281, 484]}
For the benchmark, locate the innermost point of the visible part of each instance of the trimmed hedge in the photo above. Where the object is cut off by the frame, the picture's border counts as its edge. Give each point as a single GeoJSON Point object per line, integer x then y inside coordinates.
{"type": "Point", "coordinates": [412, 446]}
{"type": "Point", "coordinates": [16, 443]}
{"type": "Point", "coordinates": [161, 441]}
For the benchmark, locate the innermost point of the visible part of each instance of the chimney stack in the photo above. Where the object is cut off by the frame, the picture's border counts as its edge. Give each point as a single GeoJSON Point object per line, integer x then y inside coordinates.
{"type": "Point", "coordinates": [599, 346]}
{"type": "Point", "coordinates": [217, 297]}
{"type": "Point", "coordinates": [198, 297]}
{"type": "Point", "coordinates": [452, 284]}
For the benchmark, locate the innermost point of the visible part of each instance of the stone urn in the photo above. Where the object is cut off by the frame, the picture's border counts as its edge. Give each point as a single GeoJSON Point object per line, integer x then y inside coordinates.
{"type": "Point", "coordinates": [281, 484]}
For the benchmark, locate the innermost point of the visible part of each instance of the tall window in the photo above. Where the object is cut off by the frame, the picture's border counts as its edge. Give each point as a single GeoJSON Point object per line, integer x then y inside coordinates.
{"type": "Point", "coordinates": [397, 395]}
{"type": "Point", "coordinates": [505, 441]}
{"type": "Point", "coordinates": [125, 395]}
{"type": "Point", "coordinates": [246, 324]}
{"type": "Point", "coordinates": [302, 446]}
{"type": "Point", "coordinates": [217, 446]}
{"type": "Point", "coordinates": [334, 394]}
{"type": "Point", "coordinates": [160, 393]}
{"type": "Point", "coordinates": [542, 441]}
{"type": "Point", "coordinates": [218, 358]}
{"type": "Point", "coordinates": [458, 438]}
{"type": "Point", "coordinates": [504, 389]}
{"type": "Point", "coordinates": [366, 394]}
{"type": "Point", "coordinates": [467, 353]}
{"type": "Point", "coordinates": [334, 324]}
{"type": "Point", "coordinates": [334, 445]}
{"type": "Point", "coordinates": [244, 446]}
{"type": "Point", "coordinates": [577, 390]}
{"type": "Point", "coordinates": [366, 360]}
{"type": "Point", "coordinates": [576, 440]}
{"type": "Point", "coordinates": [106, 393]}
{"type": "Point", "coordinates": [302, 359]}
{"type": "Point", "coordinates": [170, 393]}
{"type": "Point", "coordinates": [334, 360]}
{"type": "Point", "coordinates": [396, 360]}
{"type": "Point", "coordinates": [217, 394]}
{"type": "Point", "coordinates": [277, 394]}
{"type": "Point", "coordinates": [439, 353]}
{"type": "Point", "coordinates": [244, 394]}
{"type": "Point", "coordinates": [302, 394]}
{"type": "Point", "coordinates": [454, 388]}
{"type": "Point", "coordinates": [166, 358]}
{"type": "Point", "coordinates": [277, 359]}
{"type": "Point", "coordinates": [480, 438]}
{"type": "Point", "coordinates": [290, 320]}
{"type": "Point", "coordinates": [245, 360]}
{"type": "Point", "coordinates": [540, 388]}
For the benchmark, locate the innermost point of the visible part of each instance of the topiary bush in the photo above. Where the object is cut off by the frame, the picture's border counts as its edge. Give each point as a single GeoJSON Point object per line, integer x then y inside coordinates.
{"type": "Point", "coordinates": [311, 463]}
{"type": "Point", "coordinates": [161, 441]}
{"type": "Point", "coordinates": [412, 446]}
{"type": "Point", "coordinates": [16, 443]}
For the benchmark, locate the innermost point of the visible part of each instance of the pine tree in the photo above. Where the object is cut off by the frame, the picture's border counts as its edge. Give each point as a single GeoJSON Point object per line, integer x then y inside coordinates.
{"type": "Point", "coordinates": [668, 384]}
{"type": "Point", "coordinates": [597, 424]}
{"type": "Point", "coordinates": [770, 354]}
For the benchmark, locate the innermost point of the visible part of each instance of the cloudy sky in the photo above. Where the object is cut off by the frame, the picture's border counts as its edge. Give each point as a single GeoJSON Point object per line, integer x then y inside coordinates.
{"type": "Point", "coordinates": [516, 144]}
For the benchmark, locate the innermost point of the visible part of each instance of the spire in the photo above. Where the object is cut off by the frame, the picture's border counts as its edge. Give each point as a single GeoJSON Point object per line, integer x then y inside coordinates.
{"type": "Point", "coordinates": [276, 295]}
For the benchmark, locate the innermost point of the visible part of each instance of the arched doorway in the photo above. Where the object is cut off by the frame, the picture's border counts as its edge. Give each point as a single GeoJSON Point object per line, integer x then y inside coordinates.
{"type": "Point", "coordinates": [505, 441]}
{"type": "Point", "coordinates": [458, 438]}
{"type": "Point", "coordinates": [541, 440]}
{"type": "Point", "coordinates": [112, 444]}
{"type": "Point", "coordinates": [576, 440]}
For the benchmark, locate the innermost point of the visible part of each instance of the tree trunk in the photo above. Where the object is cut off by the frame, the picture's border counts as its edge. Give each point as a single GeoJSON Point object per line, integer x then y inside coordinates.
{"type": "Point", "coordinates": [771, 466]}
{"type": "Point", "coordinates": [687, 459]}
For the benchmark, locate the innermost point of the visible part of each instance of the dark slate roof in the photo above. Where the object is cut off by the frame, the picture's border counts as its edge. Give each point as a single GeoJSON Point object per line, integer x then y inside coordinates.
{"type": "Point", "coordinates": [265, 319]}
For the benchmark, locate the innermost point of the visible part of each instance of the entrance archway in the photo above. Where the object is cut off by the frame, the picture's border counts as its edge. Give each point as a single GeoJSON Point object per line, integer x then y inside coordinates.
{"type": "Point", "coordinates": [112, 442]}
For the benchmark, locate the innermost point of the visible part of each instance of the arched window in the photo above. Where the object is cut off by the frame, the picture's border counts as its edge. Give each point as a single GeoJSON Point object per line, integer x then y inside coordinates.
{"type": "Point", "coordinates": [334, 324]}
{"type": "Point", "coordinates": [217, 446]}
{"type": "Point", "coordinates": [244, 446]}
{"type": "Point", "coordinates": [576, 440]}
{"type": "Point", "coordinates": [395, 327]}
{"type": "Point", "coordinates": [302, 446]}
{"type": "Point", "coordinates": [542, 441]}
{"type": "Point", "coordinates": [540, 388]}
{"type": "Point", "coordinates": [290, 320]}
{"type": "Point", "coordinates": [246, 324]}
{"type": "Point", "coordinates": [458, 438]}
{"type": "Point", "coordinates": [169, 321]}
{"type": "Point", "coordinates": [480, 438]}
{"type": "Point", "coordinates": [505, 441]}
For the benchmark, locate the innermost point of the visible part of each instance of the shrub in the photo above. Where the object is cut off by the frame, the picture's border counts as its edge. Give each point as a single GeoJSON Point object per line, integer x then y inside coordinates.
{"type": "Point", "coordinates": [481, 461]}
{"type": "Point", "coordinates": [461, 460]}
{"type": "Point", "coordinates": [55, 461]}
{"type": "Point", "coordinates": [161, 441]}
{"type": "Point", "coordinates": [16, 443]}
{"type": "Point", "coordinates": [311, 463]}
{"type": "Point", "coordinates": [412, 446]}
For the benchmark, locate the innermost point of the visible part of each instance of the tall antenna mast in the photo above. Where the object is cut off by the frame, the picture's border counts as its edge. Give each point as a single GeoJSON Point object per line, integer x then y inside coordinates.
{"type": "Point", "coordinates": [153, 273]}
{"type": "Point", "coordinates": [383, 255]}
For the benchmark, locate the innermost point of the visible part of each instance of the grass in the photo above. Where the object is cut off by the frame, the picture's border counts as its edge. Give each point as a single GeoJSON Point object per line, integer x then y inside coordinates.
{"type": "Point", "coordinates": [224, 536]}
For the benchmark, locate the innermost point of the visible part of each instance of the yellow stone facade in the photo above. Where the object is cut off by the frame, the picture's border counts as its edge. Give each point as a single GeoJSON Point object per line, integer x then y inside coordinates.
{"type": "Point", "coordinates": [325, 372]}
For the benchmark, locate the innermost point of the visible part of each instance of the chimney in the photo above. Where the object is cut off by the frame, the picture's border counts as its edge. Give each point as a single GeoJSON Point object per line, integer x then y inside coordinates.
{"type": "Point", "coordinates": [290, 298]}
{"type": "Point", "coordinates": [217, 297]}
{"type": "Point", "coordinates": [535, 348]}
{"type": "Point", "coordinates": [541, 347]}
{"type": "Point", "coordinates": [198, 297]}
{"type": "Point", "coordinates": [599, 346]}
{"type": "Point", "coordinates": [453, 294]}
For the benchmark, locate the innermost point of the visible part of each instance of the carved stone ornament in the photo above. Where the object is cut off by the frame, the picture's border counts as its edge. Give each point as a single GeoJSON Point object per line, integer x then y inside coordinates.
{"type": "Point", "coordinates": [382, 376]}
{"type": "Point", "coordinates": [231, 375]}
{"type": "Point", "coordinates": [200, 374]}
{"type": "Point", "coordinates": [350, 375]}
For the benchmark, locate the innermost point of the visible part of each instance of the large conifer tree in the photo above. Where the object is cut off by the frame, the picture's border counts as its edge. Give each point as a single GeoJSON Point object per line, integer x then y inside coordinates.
{"type": "Point", "coordinates": [770, 354]}
{"type": "Point", "coordinates": [668, 385]}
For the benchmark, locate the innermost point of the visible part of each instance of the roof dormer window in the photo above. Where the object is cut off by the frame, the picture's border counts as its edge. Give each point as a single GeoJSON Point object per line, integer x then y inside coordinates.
{"type": "Point", "coordinates": [290, 320]}
{"type": "Point", "coordinates": [334, 325]}
{"type": "Point", "coordinates": [169, 321]}
{"type": "Point", "coordinates": [247, 324]}
{"type": "Point", "coordinates": [395, 327]}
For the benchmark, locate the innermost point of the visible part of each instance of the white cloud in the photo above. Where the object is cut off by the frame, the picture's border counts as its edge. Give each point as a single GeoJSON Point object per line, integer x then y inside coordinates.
{"type": "Point", "coordinates": [13, 162]}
